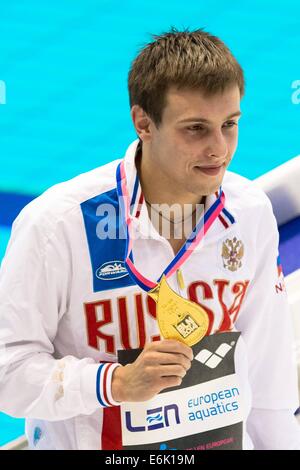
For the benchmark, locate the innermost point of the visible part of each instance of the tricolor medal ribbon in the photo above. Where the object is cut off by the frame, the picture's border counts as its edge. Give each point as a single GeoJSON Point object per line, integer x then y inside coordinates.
{"type": "Point", "coordinates": [178, 318]}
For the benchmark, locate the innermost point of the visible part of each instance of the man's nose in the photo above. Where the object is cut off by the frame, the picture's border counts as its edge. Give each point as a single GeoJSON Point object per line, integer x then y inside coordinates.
{"type": "Point", "coordinates": [217, 146]}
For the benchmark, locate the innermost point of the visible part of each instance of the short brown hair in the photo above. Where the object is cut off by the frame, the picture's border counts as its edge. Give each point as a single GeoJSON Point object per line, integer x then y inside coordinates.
{"type": "Point", "coordinates": [186, 59]}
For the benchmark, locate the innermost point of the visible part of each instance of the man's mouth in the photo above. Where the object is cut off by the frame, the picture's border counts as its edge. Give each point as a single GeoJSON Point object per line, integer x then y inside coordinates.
{"type": "Point", "coordinates": [210, 170]}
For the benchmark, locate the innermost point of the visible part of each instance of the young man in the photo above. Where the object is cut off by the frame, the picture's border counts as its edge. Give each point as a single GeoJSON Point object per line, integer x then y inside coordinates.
{"type": "Point", "coordinates": [74, 294]}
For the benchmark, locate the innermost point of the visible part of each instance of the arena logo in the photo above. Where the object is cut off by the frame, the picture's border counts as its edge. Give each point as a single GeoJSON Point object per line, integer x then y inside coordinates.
{"type": "Point", "coordinates": [296, 94]}
{"type": "Point", "coordinates": [212, 360]}
{"type": "Point", "coordinates": [112, 270]}
{"type": "Point", "coordinates": [157, 418]}
{"type": "Point", "coordinates": [2, 92]}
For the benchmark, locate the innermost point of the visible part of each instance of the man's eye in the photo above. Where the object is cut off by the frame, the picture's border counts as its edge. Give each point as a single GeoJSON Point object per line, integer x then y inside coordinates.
{"type": "Point", "coordinates": [230, 124]}
{"type": "Point", "coordinates": [195, 128]}
{"type": "Point", "coordinates": [227, 125]}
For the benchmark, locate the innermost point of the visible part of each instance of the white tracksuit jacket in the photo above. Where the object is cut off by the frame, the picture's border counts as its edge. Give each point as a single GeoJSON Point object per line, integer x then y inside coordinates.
{"type": "Point", "coordinates": [62, 312]}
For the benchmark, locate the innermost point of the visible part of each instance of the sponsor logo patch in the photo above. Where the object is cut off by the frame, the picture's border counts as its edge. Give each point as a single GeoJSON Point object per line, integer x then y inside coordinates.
{"type": "Point", "coordinates": [111, 270]}
{"type": "Point", "coordinates": [212, 360]}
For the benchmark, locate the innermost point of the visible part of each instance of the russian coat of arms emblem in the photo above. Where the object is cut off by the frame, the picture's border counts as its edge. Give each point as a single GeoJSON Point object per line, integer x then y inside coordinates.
{"type": "Point", "coordinates": [232, 254]}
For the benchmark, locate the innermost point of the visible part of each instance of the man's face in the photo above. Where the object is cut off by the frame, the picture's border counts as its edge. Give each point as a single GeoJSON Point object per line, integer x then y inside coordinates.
{"type": "Point", "coordinates": [184, 144]}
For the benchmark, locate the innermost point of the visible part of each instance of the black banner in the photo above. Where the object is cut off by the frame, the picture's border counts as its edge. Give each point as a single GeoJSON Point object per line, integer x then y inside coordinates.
{"type": "Point", "coordinates": [213, 369]}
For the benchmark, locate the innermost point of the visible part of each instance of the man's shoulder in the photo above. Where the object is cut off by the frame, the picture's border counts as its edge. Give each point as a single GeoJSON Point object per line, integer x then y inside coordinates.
{"type": "Point", "coordinates": [84, 186]}
{"type": "Point", "coordinates": [60, 201]}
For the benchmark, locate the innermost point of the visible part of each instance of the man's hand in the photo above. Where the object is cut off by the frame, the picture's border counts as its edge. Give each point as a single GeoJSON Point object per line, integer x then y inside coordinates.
{"type": "Point", "coordinates": [162, 364]}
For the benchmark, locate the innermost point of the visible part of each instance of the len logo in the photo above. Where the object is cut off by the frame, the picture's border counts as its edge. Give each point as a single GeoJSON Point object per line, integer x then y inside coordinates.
{"type": "Point", "coordinates": [157, 418]}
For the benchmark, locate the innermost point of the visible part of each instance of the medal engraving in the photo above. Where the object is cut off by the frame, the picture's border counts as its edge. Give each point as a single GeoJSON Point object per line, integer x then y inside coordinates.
{"type": "Point", "coordinates": [186, 326]}
{"type": "Point", "coordinates": [178, 318]}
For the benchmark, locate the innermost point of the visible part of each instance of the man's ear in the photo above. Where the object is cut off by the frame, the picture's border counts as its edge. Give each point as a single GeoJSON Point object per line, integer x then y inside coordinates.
{"type": "Point", "coordinates": [141, 122]}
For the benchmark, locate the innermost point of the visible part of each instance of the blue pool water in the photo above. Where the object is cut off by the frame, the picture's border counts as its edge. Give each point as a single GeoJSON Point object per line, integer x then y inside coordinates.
{"type": "Point", "coordinates": [10, 428]}
{"type": "Point", "coordinates": [4, 237]}
{"type": "Point", "coordinates": [65, 67]}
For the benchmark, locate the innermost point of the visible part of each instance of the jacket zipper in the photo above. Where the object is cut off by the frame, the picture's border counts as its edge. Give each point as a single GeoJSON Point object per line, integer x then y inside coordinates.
{"type": "Point", "coordinates": [180, 282]}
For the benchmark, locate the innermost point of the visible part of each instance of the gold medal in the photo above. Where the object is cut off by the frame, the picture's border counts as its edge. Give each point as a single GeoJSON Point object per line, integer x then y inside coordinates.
{"type": "Point", "coordinates": [178, 318]}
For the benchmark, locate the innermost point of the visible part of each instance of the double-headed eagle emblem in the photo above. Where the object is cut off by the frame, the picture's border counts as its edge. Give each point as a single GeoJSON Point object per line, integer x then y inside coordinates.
{"type": "Point", "coordinates": [232, 253]}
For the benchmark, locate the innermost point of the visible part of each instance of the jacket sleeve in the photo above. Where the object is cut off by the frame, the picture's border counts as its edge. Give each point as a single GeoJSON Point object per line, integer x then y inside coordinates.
{"type": "Point", "coordinates": [266, 326]}
{"type": "Point", "coordinates": [34, 285]}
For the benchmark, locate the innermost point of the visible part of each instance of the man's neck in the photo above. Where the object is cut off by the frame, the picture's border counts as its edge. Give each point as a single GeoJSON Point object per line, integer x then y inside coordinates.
{"type": "Point", "coordinates": [186, 208]}
{"type": "Point", "coordinates": [158, 189]}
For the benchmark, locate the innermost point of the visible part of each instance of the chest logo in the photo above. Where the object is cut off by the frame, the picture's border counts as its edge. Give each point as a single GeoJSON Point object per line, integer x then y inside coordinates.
{"type": "Point", "coordinates": [111, 270]}
{"type": "Point", "coordinates": [232, 254]}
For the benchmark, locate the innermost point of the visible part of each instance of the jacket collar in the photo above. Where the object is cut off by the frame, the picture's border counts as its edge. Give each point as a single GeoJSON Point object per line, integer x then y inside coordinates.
{"type": "Point", "coordinates": [141, 224]}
